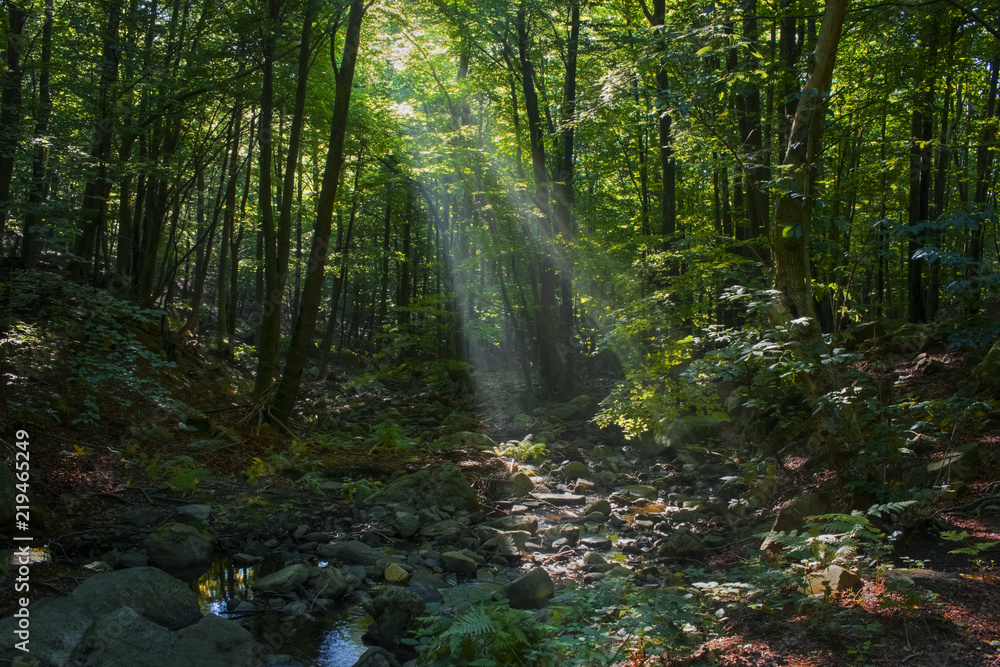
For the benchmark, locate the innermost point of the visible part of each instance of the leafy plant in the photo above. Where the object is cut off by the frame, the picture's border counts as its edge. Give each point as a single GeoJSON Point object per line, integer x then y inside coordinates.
{"type": "Point", "coordinates": [968, 547]}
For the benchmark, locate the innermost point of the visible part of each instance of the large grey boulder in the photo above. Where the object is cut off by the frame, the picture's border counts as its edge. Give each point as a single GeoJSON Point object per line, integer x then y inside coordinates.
{"type": "Point", "coordinates": [285, 580]}
{"type": "Point", "coordinates": [178, 548]}
{"type": "Point", "coordinates": [150, 592]}
{"type": "Point", "coordinates": [216, 642]}
{"type": "Point", "coordinates": [57, 625]}
{"type": "Point", "coordinates": [580, 408]}
{"type": "Point", "coordinates": [434, 486]}
{"type": "Point", "coordinates": [123, 638]}
{"type": "Point", "coordinates": [529, 591]}
{"type": "Point", "coordinates": [393, 609]}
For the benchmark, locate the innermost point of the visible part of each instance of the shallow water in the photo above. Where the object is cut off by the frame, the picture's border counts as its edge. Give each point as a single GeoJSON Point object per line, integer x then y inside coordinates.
{"type": "Point", "coordinates": [331, 640]}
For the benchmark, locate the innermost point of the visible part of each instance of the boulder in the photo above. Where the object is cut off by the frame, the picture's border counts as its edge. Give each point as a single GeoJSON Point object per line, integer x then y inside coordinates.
{"type": "Point", "coordinates": [327, 582]}
{"type": "Point", "coordinates": [142, 517]}
{"type": "Point", "coordinates": [603, 506]}
{"type": "Point", "coordinates": [376, 657]}
{"type": "Point", "coordinates": [640, 491]}
{"type": "Point", "coordinates": [178, 548]}
{"type": "Point", "coordinates": [57, 626]}
{"type": "Point", "coordinates": [580, 408]}
{"type": "Point", "coordinates": [285, 580]}
{"type": "Point", "coordinates": [395, 574]}
{"type": "Point", "coordinates": [832, 579]}
{"type": "Point", "coordinates": [436, 485]}
{"type": "Point", "coordinates": [575, 470]}
{"type": "Point", "coordinates": [149, 591]}
{"type": "Point", "coordinates": [960, 464]}
{"type": "Point", "coordinates": [216, 642]}
{"type": "Point", "coordinates": [529, 591]}
{"type": "Point", "coordinates": [693, 430]}
{"type": "Point", "coordinates": [682, 544]}
{"type": "Point", "coordinates": [394, 609]}
{"type": "Point", "coordinates": [407, 525]}
{"type": "Point", "coordinates": [352, 553]}
{"type": "Point", "coordinates": [196, 515]}
{"type": "Point", "coordinates": [518, 484]}
{"type": "Point", "coordinates": [792, 516]}
{"type": "Point", "coordinates": [124, 638]}
{"type": "Point", "coordinates": [459, 561]}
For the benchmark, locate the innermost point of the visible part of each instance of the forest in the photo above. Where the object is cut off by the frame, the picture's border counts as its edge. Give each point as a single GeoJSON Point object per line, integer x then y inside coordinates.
{"type": "Point", "coordinates": [381, 333]}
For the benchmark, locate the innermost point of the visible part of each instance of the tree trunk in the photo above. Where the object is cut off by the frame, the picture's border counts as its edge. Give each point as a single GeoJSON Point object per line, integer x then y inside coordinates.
{"type": "Point", "coordinates": [312, 289]}
{"type": "Point", "coordinates": [794, 209]}
{"type": "Point", "coordinates": [270, 305]}
{"type": "Point", "coordinates": [39, 187]}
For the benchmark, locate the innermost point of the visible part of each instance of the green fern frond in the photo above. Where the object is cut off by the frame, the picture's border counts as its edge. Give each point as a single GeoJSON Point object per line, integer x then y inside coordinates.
{"type": "Point", "coordinates": [474, 622]}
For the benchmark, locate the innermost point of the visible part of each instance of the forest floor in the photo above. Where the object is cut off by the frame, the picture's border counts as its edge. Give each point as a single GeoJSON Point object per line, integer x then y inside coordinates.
{"type": "Point", "coordinates": [938, 608]}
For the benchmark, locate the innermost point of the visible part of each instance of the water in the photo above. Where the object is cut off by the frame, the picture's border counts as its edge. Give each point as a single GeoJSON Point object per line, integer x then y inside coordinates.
{"type": "Point", "coordinates": [331, 640]}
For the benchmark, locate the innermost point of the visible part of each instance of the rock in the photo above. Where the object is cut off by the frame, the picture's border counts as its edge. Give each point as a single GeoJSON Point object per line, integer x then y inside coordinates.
{"type": "Point", "coordinates": [529, 591]}
{"type": "Point", "coordinates": [905, 578]}
{"type": "Point", "coordinates": [328, 582]}
{"type": "Point", "coordinates": [682, 544]}
{"type": "Point", "coordinates": [447, 529]}
{"type": "Point", "coordinates": [647, 446]}
{"type": "Point", "coordinates": [407, 525]}
{"type": "Point", "coordinates": [510, 543]}
{"type": "Point", "coordinates": [459, 561]}
{"type": "Point", "coordinates": [436, 485]}
{"type": "Point", "coordinates": [575, 470]}
{"type": "Point", "coordinates": [863, 332]}
{"type": "Point", "coordinates": [123, 638]}
{"type": "Point", "coordinates": [518, 484]}
{"type": "Point", "coordinates": [393, 609]}
{"type": "Point", "coordinates": [571, 534]}
{"type": "Point", "coordinates": [151, 592]}
{"type": "Point", "coordinates": [580, 408]}
{"type": "Point", "coordinates": [142, 517]}
{"type": "Point", "coordinates": [196, 514]}
{"type": "Point", "coordinates": [286, 580]}
{"type": "Point", "coordinates": [522, 423]}
{"type": "Point", "coordinates": [209, 445]}
{"type": "Point", "coordinates": [832, 579]}
{"type": "Point", "coordinates": [792, 516]}
{"type": "Point", "coordinates": [466, 439]}
{"type": "Point", "coordinates": [594, 542]}
{"type": "Point", "coordinates": [376, 657]}
{"type": "Point", "coordinates": [960, 464]}
{"type": "Point", "coordinates": [133, 559]}
{"type": "Point", "coordinates": [640, 491]}
{"type": "Point", "coordinates": [516, 522]}
{"type": "Point", "coordinates": [245, 560]}
{"type": "Point", "coordinates": [694, 430]}
{"type": "Point", "coordinates": [560, 498]}
{"type": "Point", "coordinates": [352, 553]}
{"type": "Point", "coordinates": [178, 548]}
{"type": "Point", "coordinates": [395, 574]}
{"type": "Point", "coordinates": [57, 626]}
{"type": "Point", "coordinates": [603, 506]}
{"type": "Point", "coordinates": [216, 642]}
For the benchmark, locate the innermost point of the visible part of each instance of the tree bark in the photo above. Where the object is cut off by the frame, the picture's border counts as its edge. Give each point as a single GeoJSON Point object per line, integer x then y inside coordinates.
{"type": "Point", "coordinates": [312, 289]}
{"type": "Point", "coordinates": [794, 209]}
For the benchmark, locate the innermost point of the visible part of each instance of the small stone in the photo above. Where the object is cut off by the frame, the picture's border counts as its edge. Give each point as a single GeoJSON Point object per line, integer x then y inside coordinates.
{"type": "Point", "coordinates": [834, 578]}
{"type": "Point", "coordinates": [395, 574]}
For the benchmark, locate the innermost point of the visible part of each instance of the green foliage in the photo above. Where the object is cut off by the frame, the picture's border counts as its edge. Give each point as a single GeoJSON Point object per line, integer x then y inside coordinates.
{"type": "Point", "coordinates": [487, 635]}
{"type": "Point", "coordinates": [968, 547]}
{"type": "Point", "coordinates": [181, 473]}
{"type": "Point", "coordinates": [526, 450]}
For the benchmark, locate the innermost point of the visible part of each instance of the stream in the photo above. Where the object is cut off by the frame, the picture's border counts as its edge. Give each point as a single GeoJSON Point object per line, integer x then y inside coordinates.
{"type": "Point", "coordinates": [328, 640]}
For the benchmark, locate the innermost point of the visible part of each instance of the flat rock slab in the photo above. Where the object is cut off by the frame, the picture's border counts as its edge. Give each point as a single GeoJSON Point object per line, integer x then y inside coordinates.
{"type": "Point", "coordinates": [596, 542]}
{"type": "Point", "coordinates": [560, 498]}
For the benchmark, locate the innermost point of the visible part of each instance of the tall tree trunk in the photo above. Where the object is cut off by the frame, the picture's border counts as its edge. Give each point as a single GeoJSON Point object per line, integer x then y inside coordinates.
{"type": "Point", "coordinates": [10, 110]}
{"type": "Point", "coordinates": [270, 305]}
{"type": "Point", "coordinates": [794, 209]}
{"type": "Point", "coordinates": [39, 188]}
{"type": "Point", "coordinates": [312, 289]}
